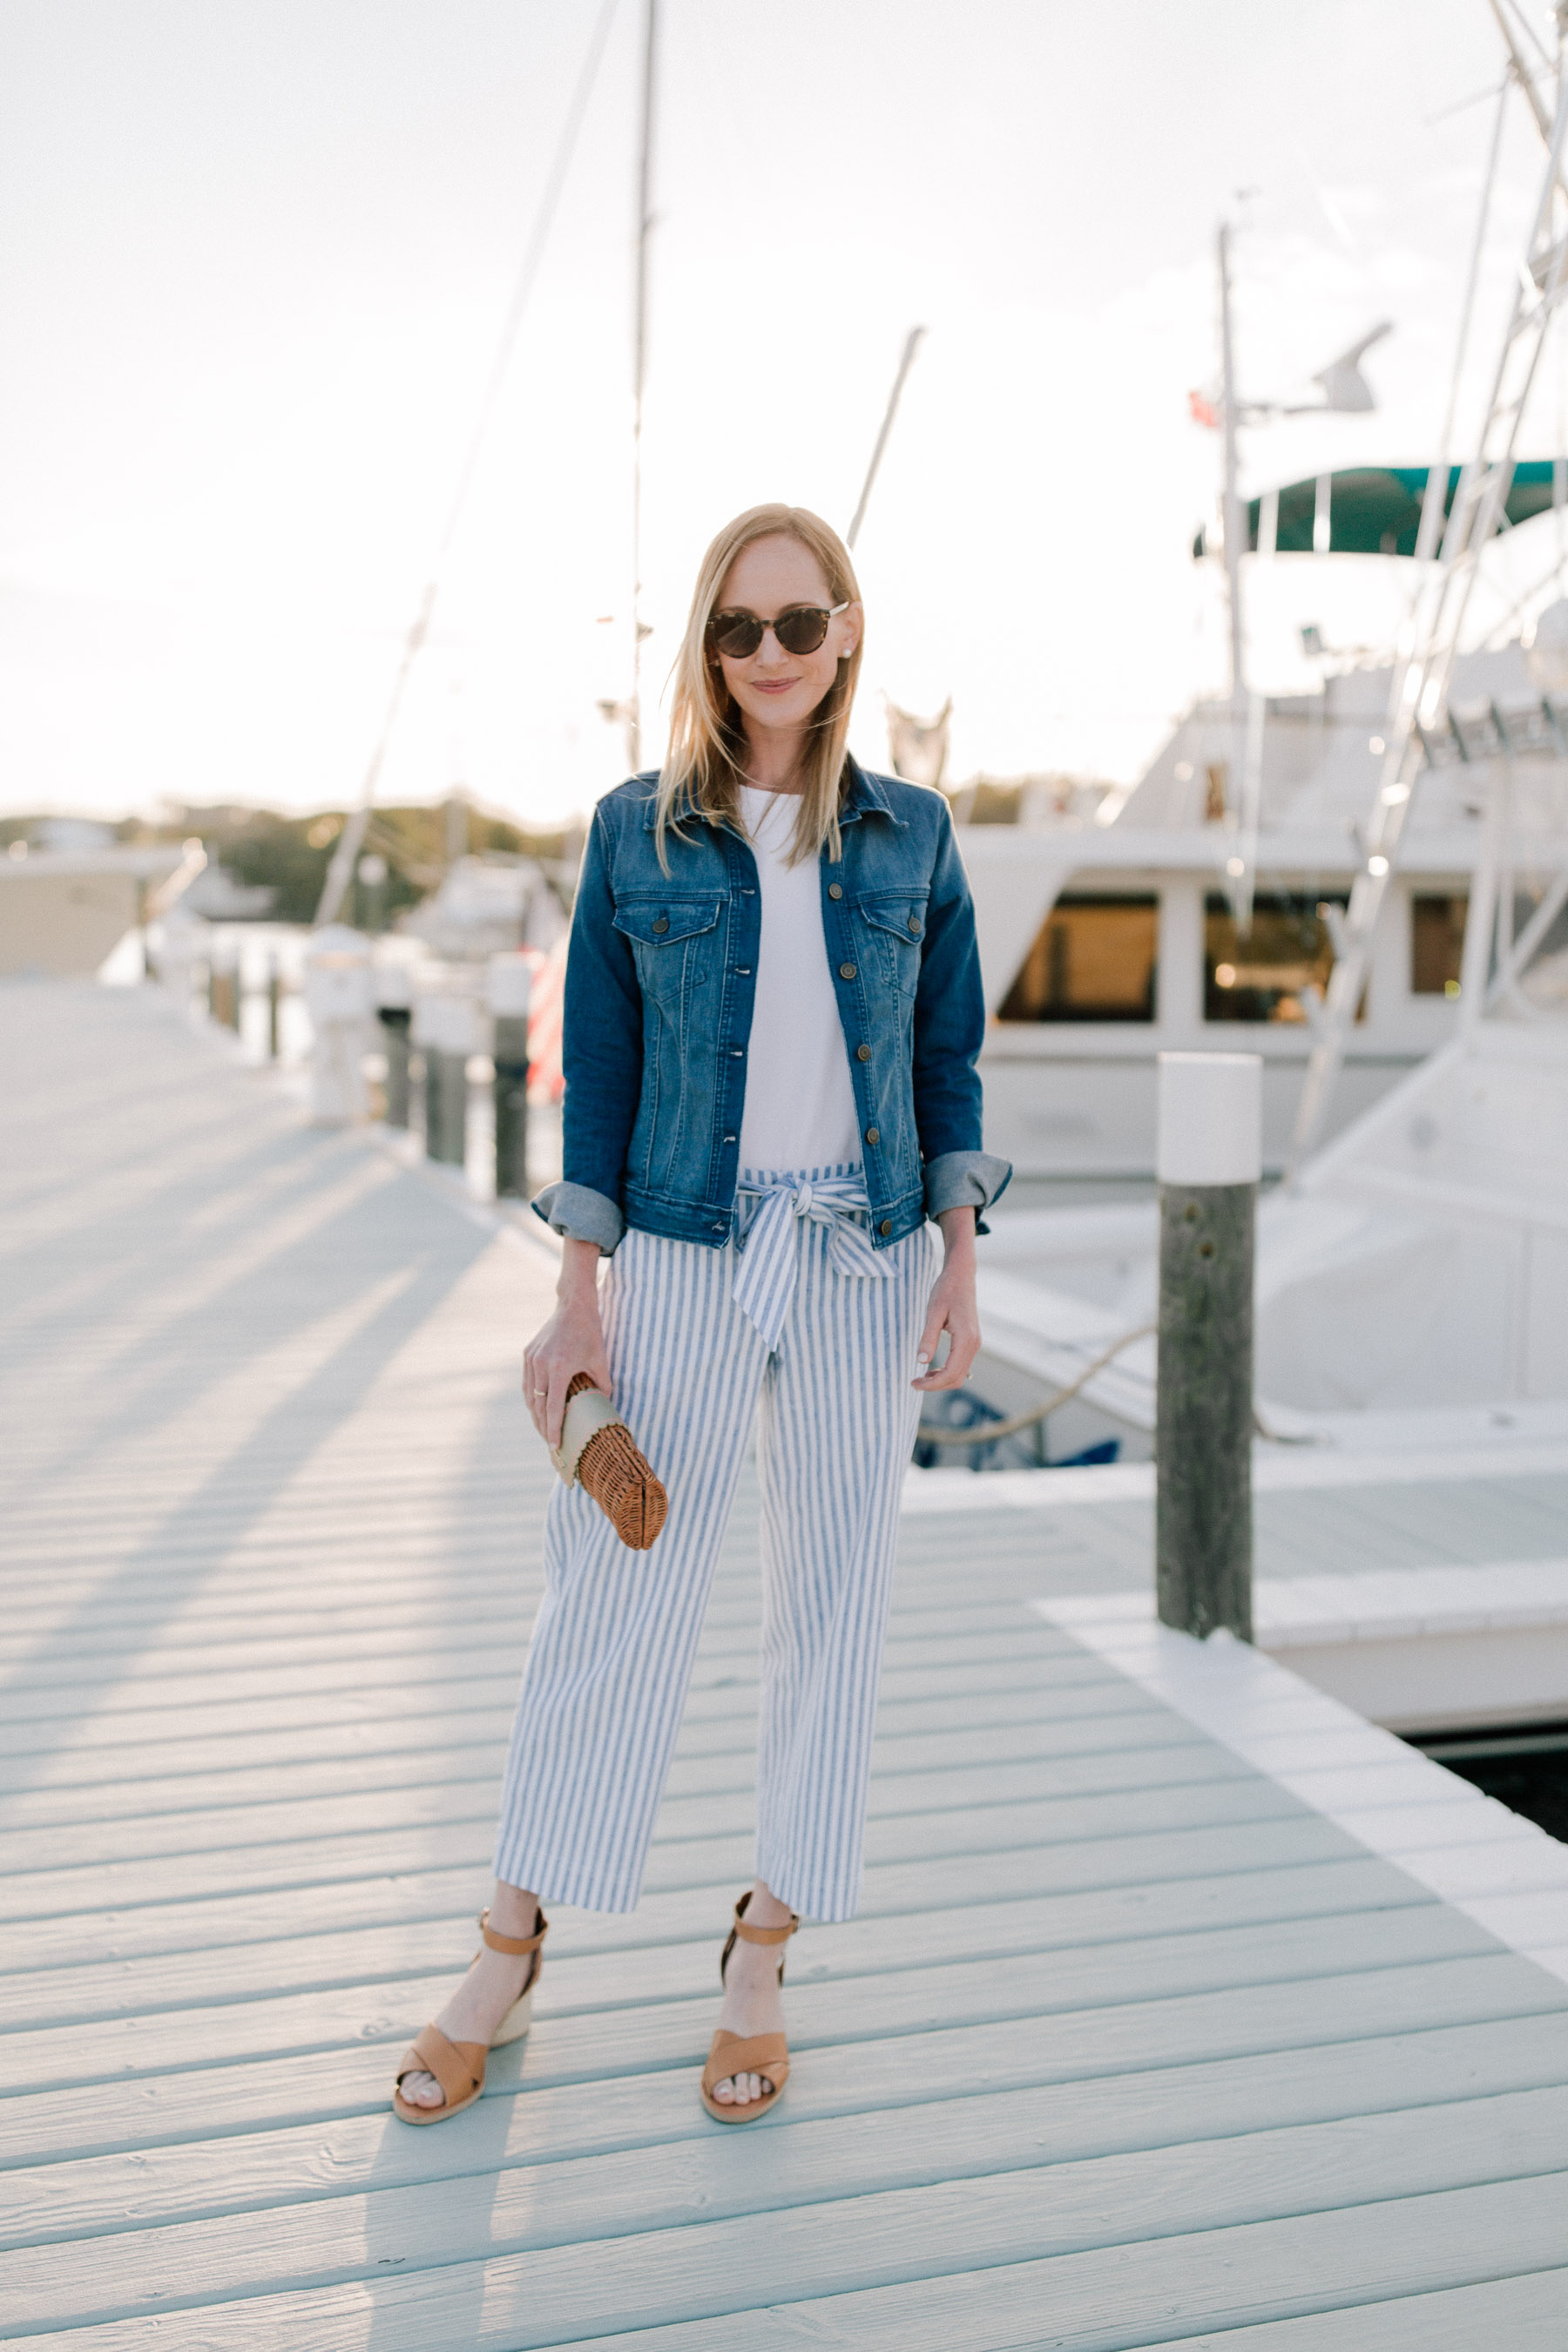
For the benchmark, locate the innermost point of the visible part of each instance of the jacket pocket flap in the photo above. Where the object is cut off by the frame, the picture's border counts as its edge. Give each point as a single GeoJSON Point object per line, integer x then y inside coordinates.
{"type": "Point", "coordinates": [906, 918]}
{"type": "Point", "coordinates": [659, 921]}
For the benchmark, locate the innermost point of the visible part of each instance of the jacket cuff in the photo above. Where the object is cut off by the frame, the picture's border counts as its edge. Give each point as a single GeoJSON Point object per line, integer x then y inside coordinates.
{"type": "Point", "coordinates": [966, 1180]}
{"type": "Point", "coordinates": [580, 1214]}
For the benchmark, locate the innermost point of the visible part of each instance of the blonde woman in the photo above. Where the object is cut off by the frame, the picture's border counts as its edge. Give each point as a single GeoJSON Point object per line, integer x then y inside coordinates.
{"type": "Point", "coordinates": [772, 1012]}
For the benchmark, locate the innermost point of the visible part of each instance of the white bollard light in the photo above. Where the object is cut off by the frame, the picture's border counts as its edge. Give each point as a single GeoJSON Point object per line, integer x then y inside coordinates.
{"type": "Point", "coordinates": [340, 996]}
{"type": "Point", "coordinates": [1211, 1118]}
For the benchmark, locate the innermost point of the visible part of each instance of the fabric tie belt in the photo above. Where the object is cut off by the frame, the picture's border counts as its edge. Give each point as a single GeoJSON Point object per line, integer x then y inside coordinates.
{"type": "Point", "coordinates": [769, 1262]}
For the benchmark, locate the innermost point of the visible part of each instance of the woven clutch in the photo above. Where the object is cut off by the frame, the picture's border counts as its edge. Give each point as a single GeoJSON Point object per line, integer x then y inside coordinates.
{"type": "Point", "coordinates": [599, 1451]}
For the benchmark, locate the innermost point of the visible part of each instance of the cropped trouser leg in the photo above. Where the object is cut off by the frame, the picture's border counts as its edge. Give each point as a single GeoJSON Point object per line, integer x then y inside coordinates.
{"type": "Point", "coordinates": [616, 1631]}
{"type": "Point", "coordinates": [834, 1439]}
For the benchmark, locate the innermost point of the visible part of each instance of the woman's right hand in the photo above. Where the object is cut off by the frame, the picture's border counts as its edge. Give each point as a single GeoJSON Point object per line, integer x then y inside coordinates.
{"type": "Point", "coordinates": [572, 1341]}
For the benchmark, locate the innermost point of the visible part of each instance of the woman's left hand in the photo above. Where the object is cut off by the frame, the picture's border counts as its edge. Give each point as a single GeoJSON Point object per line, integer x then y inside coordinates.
{"type": "Point", "coordinates": [952, 1308]}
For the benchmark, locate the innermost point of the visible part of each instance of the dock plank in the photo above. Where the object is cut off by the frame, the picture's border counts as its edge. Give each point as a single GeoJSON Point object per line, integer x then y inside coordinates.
{"type": "Point", "coordinates": [1129, 2109]}
{"type": "Point", "coordinates": [974, 2235]}
{"type": "Point", "coordinates": [720, 1804]}
{"type": "Point", "coordinates": [983, 2157]}
{"type": "Point", "coordinates": [1420, 1970]}
{"type": "Point", "coordinates": [210, 1770]}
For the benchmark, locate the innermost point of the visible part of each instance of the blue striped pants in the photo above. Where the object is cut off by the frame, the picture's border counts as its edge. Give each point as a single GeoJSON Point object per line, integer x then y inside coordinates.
{"type": "Point", "coordinates": [605, 1681]}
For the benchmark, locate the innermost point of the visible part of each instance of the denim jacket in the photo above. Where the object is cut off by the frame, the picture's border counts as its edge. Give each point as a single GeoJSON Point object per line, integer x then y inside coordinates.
{"type": "Point", "coordinates": [660, 978]}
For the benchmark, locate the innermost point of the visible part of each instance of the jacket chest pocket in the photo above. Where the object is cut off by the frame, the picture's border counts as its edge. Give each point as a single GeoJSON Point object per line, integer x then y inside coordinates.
{"type": "Point", "coordinates": [894, 931]}
{"type": "Point", "coordinates": [673, 943]}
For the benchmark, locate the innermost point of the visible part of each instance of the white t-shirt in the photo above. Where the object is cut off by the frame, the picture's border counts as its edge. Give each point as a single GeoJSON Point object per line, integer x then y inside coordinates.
{"type": "Point", "coordinates": [800, 1104]}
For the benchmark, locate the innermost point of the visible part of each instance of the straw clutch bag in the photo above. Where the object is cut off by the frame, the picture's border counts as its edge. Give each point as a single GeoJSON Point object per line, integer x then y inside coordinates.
{"type": "Point", "coordinates": [599, 1453]}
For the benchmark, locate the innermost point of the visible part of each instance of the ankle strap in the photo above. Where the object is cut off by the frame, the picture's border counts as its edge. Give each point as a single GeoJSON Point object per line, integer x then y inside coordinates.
{"type": "Point", "coordinates": [763, 1935]}
{"type": "Point", "coordinates": [514, 1944]}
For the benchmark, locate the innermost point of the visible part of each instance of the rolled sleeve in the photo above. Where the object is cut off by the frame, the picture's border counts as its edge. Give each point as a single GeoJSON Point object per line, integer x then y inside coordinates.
{"type": "Point", "coordinates": [966, 1180]}
{"type": "Point", "coordinates": [580, 1214]}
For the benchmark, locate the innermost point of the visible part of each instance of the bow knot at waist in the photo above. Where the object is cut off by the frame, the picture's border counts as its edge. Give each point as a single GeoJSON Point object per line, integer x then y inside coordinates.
{"type": "Point", "coordinates": [768, 1260]}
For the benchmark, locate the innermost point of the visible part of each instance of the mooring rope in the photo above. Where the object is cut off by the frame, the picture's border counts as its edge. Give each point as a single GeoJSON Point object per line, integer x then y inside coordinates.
{"type": "Point", "coordinates": [988, 1433]}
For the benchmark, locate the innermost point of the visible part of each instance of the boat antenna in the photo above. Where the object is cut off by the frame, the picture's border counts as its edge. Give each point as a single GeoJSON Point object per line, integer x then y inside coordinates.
{"type": "Point", "coordinates": [640, 370]}
{"type": "Point", "coordinates": [340, 873]}
{"type": "Point", "coordinates": [911, 344]}
{"type": "Point", "coordinates": [1232, 525]}
{"type": "Point", "coordinates": [1244, 791]}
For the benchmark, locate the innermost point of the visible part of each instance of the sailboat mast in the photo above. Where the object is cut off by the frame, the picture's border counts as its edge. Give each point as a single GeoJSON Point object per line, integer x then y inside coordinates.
{"type": "Point", "coordinates": [639, 364]}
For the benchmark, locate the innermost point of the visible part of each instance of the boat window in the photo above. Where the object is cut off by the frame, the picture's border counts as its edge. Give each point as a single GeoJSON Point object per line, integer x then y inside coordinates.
{"type": "Point", "coordinates": [1260, 978]}
{"type": "Point", "coordinates": [1437, 944]}
{"type": "Point", "coordinates": [1093, 960]}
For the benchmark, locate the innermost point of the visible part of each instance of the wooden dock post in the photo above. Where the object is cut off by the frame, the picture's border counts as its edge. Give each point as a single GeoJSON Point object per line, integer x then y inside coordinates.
{"type": "Point", "coordinates": [444, 1028]}
{"type": "Point", "coordinates": [508, 981]}
{"type": "Point", "coordinates": [223, 984]}
{"type": "Point", "coordinates": [1209, 1162]}
{"type": "Point", "coordinates": [225, 993]}
{"type": "Point", "coordinates": [393, 1001]}
{"type": "Point", "coordinates": [446, 1106]}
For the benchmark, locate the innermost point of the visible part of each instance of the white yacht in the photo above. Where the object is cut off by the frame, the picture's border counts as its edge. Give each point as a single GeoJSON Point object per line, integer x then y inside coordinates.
{"type": "Point", "coordinates": [1104, 944]}
{"type": "Point", "coordinates": [1412, 1286]}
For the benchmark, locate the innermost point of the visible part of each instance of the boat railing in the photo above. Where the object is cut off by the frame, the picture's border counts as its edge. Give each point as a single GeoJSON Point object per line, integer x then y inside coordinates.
{"type": "Point", "coordinates": [1470, 736]}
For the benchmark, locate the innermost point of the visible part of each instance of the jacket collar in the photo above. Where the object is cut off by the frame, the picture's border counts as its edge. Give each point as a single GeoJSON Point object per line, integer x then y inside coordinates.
{"type": "Point", "coordinates": [865, 795]}
{"type": "Point", "coordinates": [868, 796]}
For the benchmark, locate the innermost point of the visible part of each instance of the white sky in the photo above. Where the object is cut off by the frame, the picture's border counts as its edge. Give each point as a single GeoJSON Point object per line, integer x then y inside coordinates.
{"type": "Point", "coordinates": [256, 259]}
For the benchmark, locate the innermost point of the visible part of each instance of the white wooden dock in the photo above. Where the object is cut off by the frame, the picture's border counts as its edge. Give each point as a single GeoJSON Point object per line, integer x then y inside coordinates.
{"type": "Point", "coordinates": [1132, 2044]}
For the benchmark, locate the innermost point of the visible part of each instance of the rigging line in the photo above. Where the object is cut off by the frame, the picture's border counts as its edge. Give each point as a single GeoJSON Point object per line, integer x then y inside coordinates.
{"type": "Point", "coordinates": [1460, 106]}
{"type": "Point", "coordinates": [991, 1432]}
{"type": "Point", "coordinates": [1433, 502]}
{"type": "Point", "coordinates": [543, 222]}
{"type": "Point", "coordinates": [911, 345]}
{"type": "Point", "coordinates": [1530, 31]}
{"type": "Point", "coordinates": [1497, 633]}
{"type": "Point", "coordinates": [639, 371]}
{"type": "Point", "coordinates": [353, 835]}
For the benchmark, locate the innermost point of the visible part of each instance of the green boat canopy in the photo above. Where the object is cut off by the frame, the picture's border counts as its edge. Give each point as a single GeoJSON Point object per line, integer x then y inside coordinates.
{"type": "Point", "coordinates": [1376, 509]}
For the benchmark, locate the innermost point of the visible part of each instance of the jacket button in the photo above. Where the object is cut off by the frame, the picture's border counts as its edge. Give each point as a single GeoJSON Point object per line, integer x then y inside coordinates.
{"type": "Point", "coordinates": [846, 972]}
{"type": "Point", "coordinates": [732, 1138]}
{"type": "Point", "coordinates": [836, 889]}
{"type": "Point", "coordinates": [862, 1052]}
{"type": "Point", "coordinates": [886, 1227]}
{"type": "Point", "coordinates": [914, 923]}
{"type": "Point", "coordinates": [873, 1135]}
{"type": "Point", "coordinates": [743, 971]}
{"type": "Point", "coordinates": [661, 923]}
{"type": "Point", "coordinates": [737, 1052]}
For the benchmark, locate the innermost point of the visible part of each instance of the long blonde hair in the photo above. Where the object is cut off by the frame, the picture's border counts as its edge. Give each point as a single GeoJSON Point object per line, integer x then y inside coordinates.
{"type": "Point", "coordinates": [702, 768]}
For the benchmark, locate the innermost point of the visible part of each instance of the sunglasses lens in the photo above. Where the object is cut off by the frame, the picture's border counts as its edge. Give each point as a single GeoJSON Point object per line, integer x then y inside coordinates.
{"type": "Point", "coordinates": [736, 634]}
{"type": "Point", "coordinates": [802, 629]}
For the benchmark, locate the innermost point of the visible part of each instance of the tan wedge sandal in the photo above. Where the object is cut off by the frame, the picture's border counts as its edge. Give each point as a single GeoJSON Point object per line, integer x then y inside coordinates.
{"type": "Point", "coordinates": [756, 2053]}
{"type": "Point", "coordinates": [459, 2067]}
